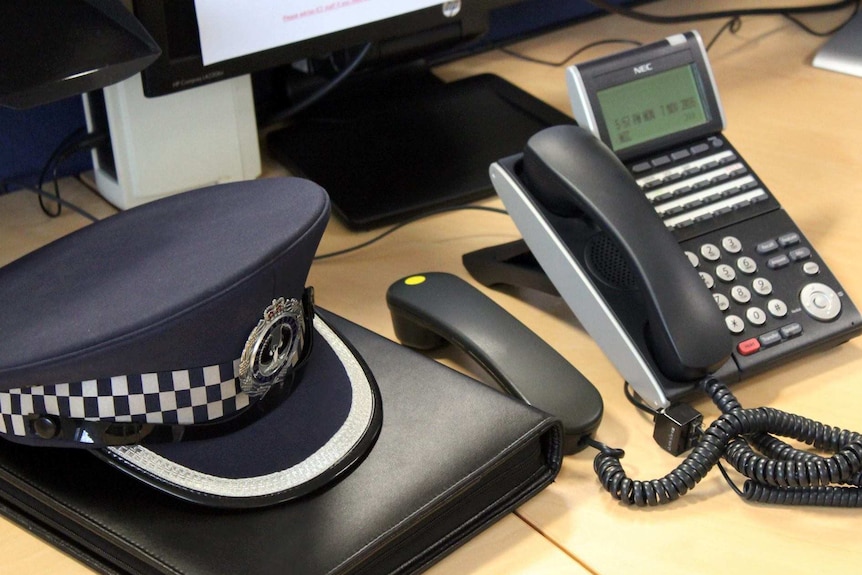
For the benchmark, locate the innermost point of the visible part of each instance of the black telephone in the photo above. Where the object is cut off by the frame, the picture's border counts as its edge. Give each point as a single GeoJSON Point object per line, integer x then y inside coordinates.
{"type": "Point", "coordinates": [671, 252]}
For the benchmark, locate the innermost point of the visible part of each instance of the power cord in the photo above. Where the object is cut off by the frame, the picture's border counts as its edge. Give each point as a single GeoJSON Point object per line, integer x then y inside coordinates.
{"type": "Point", "coordinates": [777, 472]}
{"type": "Point", "coordinates": [77, 141]}
{"type": "Point", "coordinates": [787, 11]}
{"type": "Point", "coordinates": [733, 25]}
{"type": "Point", "coordinates": [318, 94]}
{"type": "Point", "coordinates": [813, 32]}
{"type": "Point", "coordinates": [576, 53]}
{"type": "Point", "coordinates": [8, 184]}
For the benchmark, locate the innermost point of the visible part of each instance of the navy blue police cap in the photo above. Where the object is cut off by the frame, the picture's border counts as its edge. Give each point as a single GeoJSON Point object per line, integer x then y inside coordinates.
{"type": "Point", "coordinates": [178, 342]}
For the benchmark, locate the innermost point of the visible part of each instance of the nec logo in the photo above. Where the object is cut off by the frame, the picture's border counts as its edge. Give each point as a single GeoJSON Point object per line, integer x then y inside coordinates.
{"type": "Point", "coordinates": [643, 68]}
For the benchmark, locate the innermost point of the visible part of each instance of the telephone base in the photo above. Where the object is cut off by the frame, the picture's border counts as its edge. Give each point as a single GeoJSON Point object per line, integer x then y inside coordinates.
{"type": "Point", "coordinates": [511, 264]}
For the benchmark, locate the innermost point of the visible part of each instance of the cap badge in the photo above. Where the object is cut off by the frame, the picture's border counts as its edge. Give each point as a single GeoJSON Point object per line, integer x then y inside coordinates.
{"type": "Point", "coordinates": [273, 347]}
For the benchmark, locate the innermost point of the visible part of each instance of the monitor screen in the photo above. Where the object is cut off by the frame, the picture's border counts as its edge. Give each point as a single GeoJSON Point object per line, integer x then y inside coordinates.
{"type": "Point", "coordinates": [198, 49]}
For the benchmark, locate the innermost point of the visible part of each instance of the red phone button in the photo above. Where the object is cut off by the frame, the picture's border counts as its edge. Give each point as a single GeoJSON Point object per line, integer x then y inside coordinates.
{"type": "Point", "coordinates": [748, 346]}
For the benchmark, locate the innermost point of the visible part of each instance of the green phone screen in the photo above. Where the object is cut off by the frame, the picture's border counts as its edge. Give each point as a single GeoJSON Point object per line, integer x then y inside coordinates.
{"type": "Point", "coordinates": [651, 107]}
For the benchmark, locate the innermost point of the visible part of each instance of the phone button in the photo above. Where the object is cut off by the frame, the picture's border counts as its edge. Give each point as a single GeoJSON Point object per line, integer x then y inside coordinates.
{"type": "Point", "coordinates": [693, 259]}
{"type": "Point", "coordinates": [660, 161]}
{"type": "Point", "coordinates": [725, 273]}
{"type": "Point", "coordinates": [755, 315]}
{"type": "Point", "coordinates": [710, 252]}
{"type": "Point", "coordinates": [791, 330]}
{"type": "Point", "coordinates": [749, 346]}
{"type": "Point", "coordinates": [777, 307]}
{"type": "Point", "coordinates": [799, 254]}
{"type": "Point", "coordinates": [762, 286]}
{"type": "Point", "coordinates": [766, 247]}
{"type": "Point", "coordinates": [699, 149]}
{"type": "Point", "coordinates": [734, 324]}
{"type": "Point", "coordinates": [740, 294]}
{"type": "Point", "coordinates": [778, 262]}
{"type": "Point", "coordinates": [769, 339]}
{"type": "Point", "coordinates": [746, 265]}
{"type": "Point", "coordinates": [811, 268]}
{"type": "Point", "coordinates": [788, 239]}
{"type": "Point", "coordinates": [731, 244]}
{"type": "Point", "coordinates": [820, 301]}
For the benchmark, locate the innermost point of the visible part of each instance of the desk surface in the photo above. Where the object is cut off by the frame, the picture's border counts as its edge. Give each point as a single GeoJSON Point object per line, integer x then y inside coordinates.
{"type": "Point", "coordinates": [799, 128]}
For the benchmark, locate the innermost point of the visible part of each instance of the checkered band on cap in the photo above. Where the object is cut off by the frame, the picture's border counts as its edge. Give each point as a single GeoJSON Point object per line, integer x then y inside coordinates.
{"type": "Point", "coordinates": [183, 397]}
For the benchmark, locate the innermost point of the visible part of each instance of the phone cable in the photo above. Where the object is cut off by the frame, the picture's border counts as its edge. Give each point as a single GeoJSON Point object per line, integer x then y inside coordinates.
{"type": "Point", "coordinates": [776, 472]}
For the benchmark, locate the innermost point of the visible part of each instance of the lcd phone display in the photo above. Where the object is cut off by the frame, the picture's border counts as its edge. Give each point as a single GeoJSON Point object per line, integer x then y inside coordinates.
{"type": "Point", "coordinates": [652, 107]}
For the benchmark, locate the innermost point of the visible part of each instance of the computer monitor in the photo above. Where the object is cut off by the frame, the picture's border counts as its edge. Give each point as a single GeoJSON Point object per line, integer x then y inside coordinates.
{"type": "Point", "coordinates": [416, 26]}
{"type": "Point", "coordinates": [391, 142]}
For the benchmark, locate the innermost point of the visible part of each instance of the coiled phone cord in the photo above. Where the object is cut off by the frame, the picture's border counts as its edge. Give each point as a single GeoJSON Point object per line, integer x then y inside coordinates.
{"type": "Point", "coordinates": [779, 474]}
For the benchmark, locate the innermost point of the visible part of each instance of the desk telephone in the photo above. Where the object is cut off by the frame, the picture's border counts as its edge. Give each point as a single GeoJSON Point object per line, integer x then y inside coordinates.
{"type": "Point", "coordinates": [605, 208]}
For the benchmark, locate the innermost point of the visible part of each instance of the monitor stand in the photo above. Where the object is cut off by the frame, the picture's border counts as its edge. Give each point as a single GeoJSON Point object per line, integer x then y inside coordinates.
{"type": "Point", "coordinates": [403, 145]}
{"type": "Point", "coordinates": [843, 51]}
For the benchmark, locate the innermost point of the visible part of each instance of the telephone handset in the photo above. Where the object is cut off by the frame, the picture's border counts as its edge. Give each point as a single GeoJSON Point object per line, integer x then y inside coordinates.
{"type": "Point", "coordinates": [623, 275]}
{"type": "Point", "coordinates": [683, 325]}
{"type": "Point", "coordinates": [671, 252]}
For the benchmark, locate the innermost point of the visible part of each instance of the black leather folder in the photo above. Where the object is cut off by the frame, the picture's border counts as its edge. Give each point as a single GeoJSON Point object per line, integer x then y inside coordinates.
{"type": "Point", "coordinates": [453, 456]}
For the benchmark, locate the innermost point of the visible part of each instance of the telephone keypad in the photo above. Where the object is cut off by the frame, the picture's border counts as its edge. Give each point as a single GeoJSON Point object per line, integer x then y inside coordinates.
{"type": "Point", "coordinates": [746, 294]}
{"type": "Point", "coordinates": [748, 252]}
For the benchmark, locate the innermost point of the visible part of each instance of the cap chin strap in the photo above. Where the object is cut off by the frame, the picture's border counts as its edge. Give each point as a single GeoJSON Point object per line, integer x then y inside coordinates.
{"type": "Point", "coordinates": [169, 406]}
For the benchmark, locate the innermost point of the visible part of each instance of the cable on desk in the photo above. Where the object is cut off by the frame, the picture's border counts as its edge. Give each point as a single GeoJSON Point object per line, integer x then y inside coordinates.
{"type": "Point", "coordinates": [733, 25]}
{"type": "Point", "coordinates": [398, 226]}
{"type": "Point", "coordinates": [317, 95]}
{"type": "Point", "coordinates": [78, 141]}
{"type": "Point", "coordinates": [779, 474]}
{"type": "Point", "coordinates": [813, 32]}
{"type": "Point", "coordinates": [564, 61]}
{"type": "Point", "coordinates": [740, 12]}
{"type": "Point", "coordinates": [53, 197]}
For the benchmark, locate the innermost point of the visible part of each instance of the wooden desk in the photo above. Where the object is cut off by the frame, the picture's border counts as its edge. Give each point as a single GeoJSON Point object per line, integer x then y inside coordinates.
{"type": "Point", "coordinates": [799, 128]}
